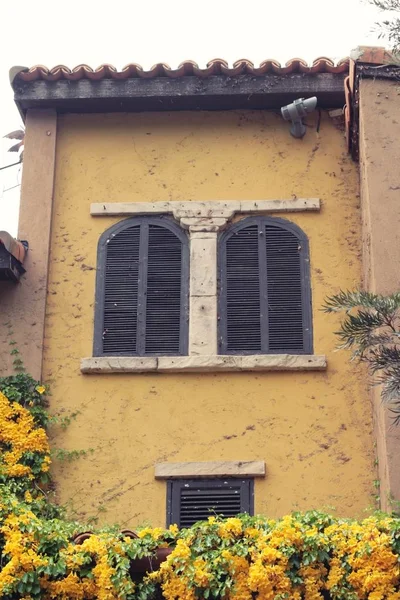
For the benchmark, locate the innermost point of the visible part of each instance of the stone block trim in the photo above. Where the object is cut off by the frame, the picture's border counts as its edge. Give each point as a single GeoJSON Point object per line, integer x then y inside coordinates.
{"type": "Point", "coordinates": [203, 325]}
{"type": "Point", "coordinates": [203, 363]}
{"type": "Point", "coordinates": [219, 468]}
{"type": "Point", "coordinates": [203, 258]}
{"type": "Point", "coordinates": [212, 209]}
{"type": "Point", "coordinates": [117, 364]}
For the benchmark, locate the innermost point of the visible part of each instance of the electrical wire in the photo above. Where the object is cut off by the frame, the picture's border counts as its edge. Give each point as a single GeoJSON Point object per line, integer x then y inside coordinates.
{"type": "Point", "coordinates": [12, 165]}
{"type": "Point", "coordinates": [11, 188]}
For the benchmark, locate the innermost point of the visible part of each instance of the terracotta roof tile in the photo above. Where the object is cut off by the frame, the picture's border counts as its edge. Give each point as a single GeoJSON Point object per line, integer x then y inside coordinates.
{"type": "Point", "coordinates": [187, 68]}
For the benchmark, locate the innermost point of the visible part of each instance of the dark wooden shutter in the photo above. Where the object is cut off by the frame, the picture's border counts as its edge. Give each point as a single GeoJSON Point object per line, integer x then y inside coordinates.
{"type": "Point", "coordinates": [142, 289]}
{"type": "Point", "coordinates": [243, 331]}
{"type": "Point", "coordinates": [121, 293]}
{"type": "Point", "coordinates": [164, 282]}
{"type": "Point", "coordinates": [284, 291]}
{"type": "Point", "coordinates": [265, 300]}
{"type": "Point", "coordinates": [190, 501]}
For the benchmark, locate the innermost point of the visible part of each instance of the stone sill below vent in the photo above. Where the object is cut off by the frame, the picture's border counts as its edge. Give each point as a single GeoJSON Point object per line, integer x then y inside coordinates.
{"type": "Point", "coordinates": [200, 364]}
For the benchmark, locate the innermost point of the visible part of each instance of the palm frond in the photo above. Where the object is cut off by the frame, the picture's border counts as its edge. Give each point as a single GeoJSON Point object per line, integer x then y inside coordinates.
{"type": "Point", "coordinates": [386, 5]}
{"type": "Point", "coordinates": [349, 300]}
{"type": "Point", "coordinates": [16, 147]}
{"type": "Point", "coordinates": [390, 381]}
{"type": "Point", "coordinates": [359, 329]}
{"type": "Point", "coordinates": [384, 357]}
{"type": "Point", "coordinates": [396, 411]}
{"type": "Point", "coordinates": [371, 330]}
{"type": "Point", "coordinates": [18, 134]}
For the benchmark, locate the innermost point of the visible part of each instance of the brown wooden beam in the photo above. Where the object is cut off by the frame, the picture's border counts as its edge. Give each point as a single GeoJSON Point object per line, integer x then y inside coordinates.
{"type": "Point", "coordinates": [185, 93]}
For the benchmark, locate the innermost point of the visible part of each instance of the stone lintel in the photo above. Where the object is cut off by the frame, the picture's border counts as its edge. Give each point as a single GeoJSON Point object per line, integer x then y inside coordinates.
{"type": "Point", "coordinates": [207, 210]}
{"type": "Point", "coordinates": [204, 364]}
{"type": "Point", "coordinates": [292, 205]}
{"type": "Point", "coordinates": [219, 468]}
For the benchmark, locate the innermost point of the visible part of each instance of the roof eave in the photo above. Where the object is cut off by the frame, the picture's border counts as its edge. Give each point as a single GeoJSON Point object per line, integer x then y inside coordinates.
{"type": "Point", "coordinates": [369, 63]}
{"type": "Point", "coordinates": [216, 92]}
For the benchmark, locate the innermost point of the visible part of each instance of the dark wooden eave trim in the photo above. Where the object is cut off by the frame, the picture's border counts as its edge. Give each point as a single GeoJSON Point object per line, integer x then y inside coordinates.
{"type": "Point", "coordinates": [365, 71]}
{"type": "Point", "coordinates": [217, 92]}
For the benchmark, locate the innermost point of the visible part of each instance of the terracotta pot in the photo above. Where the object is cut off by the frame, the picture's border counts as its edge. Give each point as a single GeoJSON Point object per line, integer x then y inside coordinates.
{"type": "Point", "coordinates": [81, 537]}
{"type": "Point", "coordinates": [142, 565]}
{"type": "Point", "coordinates": [128, 533]}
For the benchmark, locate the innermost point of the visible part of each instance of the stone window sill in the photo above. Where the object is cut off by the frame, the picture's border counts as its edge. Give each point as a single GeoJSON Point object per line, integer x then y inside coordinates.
{"type": "Point", "coordinates": [200, 364]}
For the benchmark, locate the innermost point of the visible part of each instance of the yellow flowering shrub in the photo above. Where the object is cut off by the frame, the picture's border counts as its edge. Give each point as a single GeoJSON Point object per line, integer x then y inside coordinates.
{"type": "Point", "coordinates": [308, 556]}
{"type": "Point", "coordinates": [303, 556]}
{"type": "Point", "coordinates": [21, 441]}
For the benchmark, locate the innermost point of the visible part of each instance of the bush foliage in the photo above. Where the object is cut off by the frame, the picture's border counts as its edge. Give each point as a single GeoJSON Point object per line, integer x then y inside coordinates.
{"type": "Point", "coordinates": [310, 556]}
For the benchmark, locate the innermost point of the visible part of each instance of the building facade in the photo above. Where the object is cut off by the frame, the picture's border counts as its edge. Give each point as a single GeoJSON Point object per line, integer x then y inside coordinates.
{"type": "Point", "coordinates": [182, 244]}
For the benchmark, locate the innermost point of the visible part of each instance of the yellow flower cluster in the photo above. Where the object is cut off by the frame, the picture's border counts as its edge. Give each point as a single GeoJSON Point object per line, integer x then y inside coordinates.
{"type": "Point", "coordinates": [154, 532]}
{"type": "Point", "coordinates": [366, 547]}
{"type": "Point", "coordinates": [21, 550]}
{"type": "Point", "coordinates": [234, 559]}
{"type": "Point", "coordinates": [19, 435]}
{"type": "Point", "coordinates": [345, 560]}
{"type": "Point", "coordinates": [20, 547]}
{"type": "Point", "coordinates": [230, 528]}
{"type": "Point", "coordinates": [307, 556]}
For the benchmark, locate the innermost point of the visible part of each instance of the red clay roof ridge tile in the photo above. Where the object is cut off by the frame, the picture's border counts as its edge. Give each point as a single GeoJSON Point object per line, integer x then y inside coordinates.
{"type": "Point", "coordinates": [187, 68]}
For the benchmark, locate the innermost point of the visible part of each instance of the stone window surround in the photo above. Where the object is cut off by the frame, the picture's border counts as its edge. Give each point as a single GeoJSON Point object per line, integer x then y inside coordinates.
{"type": "Point", "coordinates": [219, 468]}
{"type": "Point", "coordinates": [203, 220]}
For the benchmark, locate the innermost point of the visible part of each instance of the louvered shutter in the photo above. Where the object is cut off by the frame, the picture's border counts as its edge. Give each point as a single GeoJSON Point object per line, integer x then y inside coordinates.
{"type": "Point", "coordinates": [164, 283]}
{"type": "Point", "coordinates": [265, 303]}
{"type": "Point", "coordinates": [121, 293]}
{"type": "Point", "coordinates": [190, 501]}
{"type": "Point", "coordinates": [284, 291]}
{"type": "Point", "coordinates": [243, 318]}
{"type": "Point", "coordinates": [142, 290]}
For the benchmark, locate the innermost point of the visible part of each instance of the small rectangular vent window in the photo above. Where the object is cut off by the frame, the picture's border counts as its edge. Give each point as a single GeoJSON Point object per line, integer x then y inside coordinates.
{"type": "Point", "coordinates": [190, 501]}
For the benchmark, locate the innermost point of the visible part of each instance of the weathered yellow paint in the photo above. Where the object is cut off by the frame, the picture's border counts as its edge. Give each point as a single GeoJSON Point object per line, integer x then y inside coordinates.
{"type": "Point", "coordinates": [312, 429]}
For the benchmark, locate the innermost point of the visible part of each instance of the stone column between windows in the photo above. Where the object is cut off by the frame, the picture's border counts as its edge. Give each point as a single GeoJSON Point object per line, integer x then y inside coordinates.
{"type": "Point", "coordinates": [203, 324]}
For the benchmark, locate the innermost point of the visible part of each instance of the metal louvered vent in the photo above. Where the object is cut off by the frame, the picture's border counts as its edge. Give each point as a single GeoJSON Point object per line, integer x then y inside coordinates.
{"type": "Point", "coordinates": [192, 501]}
{"type": "Point", "coordinates": [142, 289]}
{"type": "Point", "coordinates": [265, 300]}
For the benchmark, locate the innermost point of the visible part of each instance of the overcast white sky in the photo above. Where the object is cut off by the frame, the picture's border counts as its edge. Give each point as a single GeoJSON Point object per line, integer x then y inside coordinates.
{"type": "Point", "coordinates": [74, 32]}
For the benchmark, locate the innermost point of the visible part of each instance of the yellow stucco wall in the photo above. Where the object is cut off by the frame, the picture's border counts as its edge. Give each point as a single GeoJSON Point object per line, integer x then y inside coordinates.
{"type": "Point", "coordinates": [312, 429]}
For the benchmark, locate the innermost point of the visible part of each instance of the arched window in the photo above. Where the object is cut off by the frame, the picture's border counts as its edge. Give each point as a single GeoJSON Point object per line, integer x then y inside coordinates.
{"type": "Point", "coordinates": [265, 296]}
{"type": "Point", "coordinates": [142, 289]}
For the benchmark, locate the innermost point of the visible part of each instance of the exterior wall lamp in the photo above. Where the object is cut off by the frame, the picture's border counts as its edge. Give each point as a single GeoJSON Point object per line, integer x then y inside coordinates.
{"type": "Point", "coordinates": [295, 112]}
